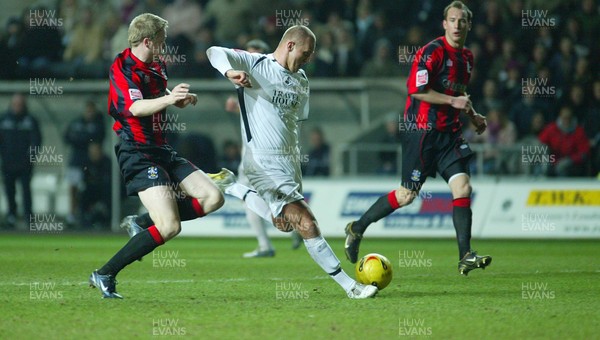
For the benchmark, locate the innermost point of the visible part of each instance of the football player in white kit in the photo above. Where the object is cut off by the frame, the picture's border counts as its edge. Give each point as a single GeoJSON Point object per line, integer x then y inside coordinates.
{"type": "Point", "coordinates": [273, 93]}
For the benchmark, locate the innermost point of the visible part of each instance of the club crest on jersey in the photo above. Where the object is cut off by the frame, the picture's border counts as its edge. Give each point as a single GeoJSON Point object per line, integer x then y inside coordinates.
{"type": "Point", "coordinates": [422, 78]}
{"type": "Point", "coordinates": [152, 172]}
{"type": "Point", "coordinates": [416, 175]}
{"type": "Point", "coordinates": [449, 63]}
{"type": "Point", "coordinates": [135, 94]}
{"type": "Point", "coordinates": [287, 80]}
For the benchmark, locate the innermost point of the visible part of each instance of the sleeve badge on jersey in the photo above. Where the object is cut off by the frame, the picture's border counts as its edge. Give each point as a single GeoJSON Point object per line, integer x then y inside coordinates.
{"type": "Point", "coordinates": [135, 94]}
{"type": "Point", "coordinates": [422, 78]}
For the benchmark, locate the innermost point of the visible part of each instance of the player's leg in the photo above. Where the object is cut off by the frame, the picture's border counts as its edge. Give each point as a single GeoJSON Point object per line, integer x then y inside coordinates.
{"type": "Point", "coordinates": [461, 209]}
{"type": "Point", "coordinates": [454, 168]}
{"type": "Point", "coordinates": [298, 216]}
{"type": "Point", "coordinates": [10, 188]}
{"type": "Point", "coordinates": [160, 203]}
{"type": "Point", "coordinates": [202, 197]}
{"type": "Point", "coordinates": [416, 164]}
{"type": "Point", "coordinates": [259, 226]}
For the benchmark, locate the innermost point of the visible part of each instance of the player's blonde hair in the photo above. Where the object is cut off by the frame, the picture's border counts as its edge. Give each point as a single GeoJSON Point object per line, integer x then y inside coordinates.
{"type": "Point", "coordinates": [146, 25]}
{"type": "Point", "coordinates": [459, 5]}
{"type": "Point", "coordinates": [297, 33]}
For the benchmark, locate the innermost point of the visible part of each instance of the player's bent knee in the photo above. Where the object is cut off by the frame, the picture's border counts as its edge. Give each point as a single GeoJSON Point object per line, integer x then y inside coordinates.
{"type": "Point", "coordinates": [405, 197]}
{"type": "Point", "coordinates": [169, 229]}
{"type": "Point", "coordinates": [213, 201]}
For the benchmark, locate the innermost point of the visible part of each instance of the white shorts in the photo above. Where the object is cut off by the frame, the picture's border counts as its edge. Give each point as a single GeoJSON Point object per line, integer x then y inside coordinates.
{"type": "Point", "coordinates": [275, 176]}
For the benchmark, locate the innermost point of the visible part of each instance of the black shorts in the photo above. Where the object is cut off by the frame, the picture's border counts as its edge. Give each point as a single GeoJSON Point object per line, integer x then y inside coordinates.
{"type": "Point", "coordinates": [426, 152]}
{"type": "Point", "coordinates": [144, 166]}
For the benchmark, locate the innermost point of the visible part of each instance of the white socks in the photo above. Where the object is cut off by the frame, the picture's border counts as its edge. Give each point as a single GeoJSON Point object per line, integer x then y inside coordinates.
{"type": "Point", "coordinates": [322, 254]}
{"type": "Point", "coordinates": [259, 226]}
{"type": "Point", "coordinates": [253, 201]}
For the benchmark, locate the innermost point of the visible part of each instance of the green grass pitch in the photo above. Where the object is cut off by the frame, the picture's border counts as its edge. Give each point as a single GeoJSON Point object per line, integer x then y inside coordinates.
{"type": "Point", "coordinates": [201, 288]}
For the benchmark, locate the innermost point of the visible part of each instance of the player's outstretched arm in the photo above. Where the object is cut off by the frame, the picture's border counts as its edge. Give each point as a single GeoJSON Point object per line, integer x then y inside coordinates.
{"type": "Point", "coordinates": [232, 64]}
{"type": "Point", "coordinates": [147, 107]}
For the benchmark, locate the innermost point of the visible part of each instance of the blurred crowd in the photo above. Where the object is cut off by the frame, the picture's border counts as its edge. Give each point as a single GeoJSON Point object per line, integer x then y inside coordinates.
{"type": "Point", "coordinates": [533, 59]}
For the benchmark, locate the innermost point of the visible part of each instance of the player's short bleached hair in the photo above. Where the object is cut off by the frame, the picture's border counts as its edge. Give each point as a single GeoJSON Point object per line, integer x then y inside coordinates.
{"type": "Point", "coordinates": [459, 5]}
{"type": "Point", "coordinates": [297, 33]}
{"type": "Point", "coordinates": [146, 25]}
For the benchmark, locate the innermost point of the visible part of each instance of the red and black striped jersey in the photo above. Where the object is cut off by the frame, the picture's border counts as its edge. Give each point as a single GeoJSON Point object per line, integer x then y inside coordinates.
{"type": "Point", "coordinates": [132, 79]}
{"type": "Point", "coordinates": [442, 68]}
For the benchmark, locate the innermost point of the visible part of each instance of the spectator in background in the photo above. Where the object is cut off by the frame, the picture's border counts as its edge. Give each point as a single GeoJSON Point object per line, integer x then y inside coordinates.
{"type": "Point", "coordinates": [563, 62]}
{"type": "Point", "coordinates": [42, 46]}
{"type": "Point", "coordinates": [231, 155]}
{"type": "Point", "coordinates": [568, 144]}
{"type": "Point", "coordinates": [185, 18]}
{"type": "Point", "coordinates": [576, 100]}
{"type": "Point", "coordinates": [11, 44]}
{"type": "Point", "coordinates": [20, 139]}
{"type": "Point", "coordinates": [200, 150]}
{"type": "Point", "coordinates": [325, 58]}
{"type": "Point", "coordinates": [500, 135]}
{"type": "Point", "coordinates": [228, 18]}
{"type": "Point", "coordinates": [537, 60]}
{"type": "Point", "coordinates": [591, 125]}
{"type": "Point", "coordinates": [490, 100]}
{"type": "Point", "coordinates": [388, 160]}
{"type": "Point", "coordinates": [96, 190]}
{"type": "Point", "coordinates": [200, 66]}
{"type": "Point", "coordinates": [319, 161]}
{"type": "Point", "coordinates": [345, 54]}
{"type": "Point", "coordinates": [383, 64]}
{"type": "Point", "coordinates": [521, 113]}
{"type": "Point", "coordinates": [83, 53]}
{"type": "Point", "coordinates": [80, 133]}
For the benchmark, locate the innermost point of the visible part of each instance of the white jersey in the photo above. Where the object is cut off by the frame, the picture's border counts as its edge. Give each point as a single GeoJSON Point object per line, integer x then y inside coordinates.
{"type": "Point", "coordinates": [273, 106]}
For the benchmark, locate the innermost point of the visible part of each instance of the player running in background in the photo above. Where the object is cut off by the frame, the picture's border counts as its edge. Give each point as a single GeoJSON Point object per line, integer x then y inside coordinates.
{"type": "Point", "coordinates": [274, 97]}
{"type": "Point", "coordinates": [436, 96]}
{"type": "Point", "coordinates": [151, 169]}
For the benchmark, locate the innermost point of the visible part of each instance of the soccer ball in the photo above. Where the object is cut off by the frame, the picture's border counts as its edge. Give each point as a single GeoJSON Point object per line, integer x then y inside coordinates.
{"type": "Point", "coordinates": [374, 269]}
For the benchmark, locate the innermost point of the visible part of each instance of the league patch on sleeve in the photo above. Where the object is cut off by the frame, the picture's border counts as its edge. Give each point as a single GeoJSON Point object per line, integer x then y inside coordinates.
{"type": "Point", "coordinates": [135, 94]}
{"type": "Point", "coordinates": [422, 78]}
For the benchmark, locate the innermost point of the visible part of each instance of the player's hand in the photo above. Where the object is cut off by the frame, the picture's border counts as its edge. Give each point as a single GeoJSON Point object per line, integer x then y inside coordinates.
{"type": "Point", "coordinates": [191, 98]}
{"type": "Point", "coordinates": [179, 94]}
{"type": "Point", "coordinates": [479, 121]}
{"type": "Point", "coordinates": [462, 103]}
{"type": "Point", "coordinates": [232, 105]}
{"type": "Point", "coordinates": [239, 78]}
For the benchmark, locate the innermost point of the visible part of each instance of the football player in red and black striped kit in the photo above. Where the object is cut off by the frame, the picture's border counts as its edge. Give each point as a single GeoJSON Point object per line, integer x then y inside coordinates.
{"type": "Point", "coordinates": [151, 169]}
{"type": "Point", "coordinates": [431, 135]}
